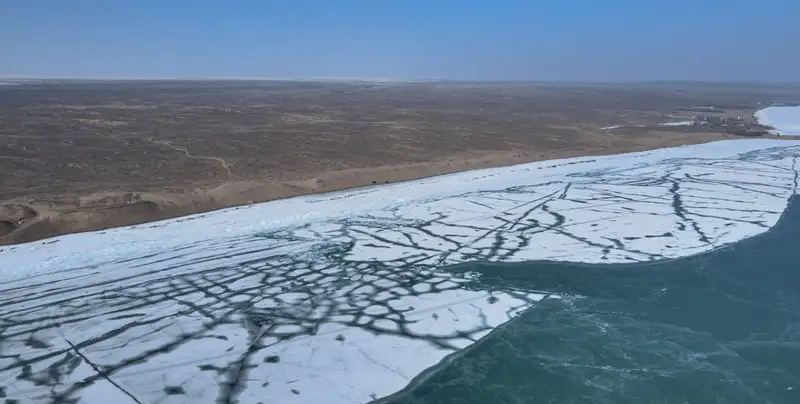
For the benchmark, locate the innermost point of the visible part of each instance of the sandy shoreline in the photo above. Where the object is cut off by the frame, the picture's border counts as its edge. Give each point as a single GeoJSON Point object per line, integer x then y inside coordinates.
{"type": "Point", "coordinates": [115, 209]}
{"type": "Point", "coordinates": [80, 157]}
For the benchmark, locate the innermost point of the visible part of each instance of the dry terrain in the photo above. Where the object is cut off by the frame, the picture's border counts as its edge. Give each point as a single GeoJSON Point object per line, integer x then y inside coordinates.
{"type": "Point", "coordinates": [77, 156]}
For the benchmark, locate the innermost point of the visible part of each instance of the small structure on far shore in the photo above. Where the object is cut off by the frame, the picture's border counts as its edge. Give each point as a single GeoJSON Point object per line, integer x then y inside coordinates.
{"type": "Point", "coordinates": [735, 125]}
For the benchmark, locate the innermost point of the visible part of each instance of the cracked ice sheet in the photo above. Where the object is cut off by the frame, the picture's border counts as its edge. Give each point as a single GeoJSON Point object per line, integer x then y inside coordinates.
{"type": "Point", "coordinates": [669, 209]}
{"type": "Point", "coordinates": [339, 298]}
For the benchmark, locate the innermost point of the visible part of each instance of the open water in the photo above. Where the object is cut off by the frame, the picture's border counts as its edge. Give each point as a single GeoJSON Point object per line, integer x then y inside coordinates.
{"type": "Point", "coordinates": [719, 327]}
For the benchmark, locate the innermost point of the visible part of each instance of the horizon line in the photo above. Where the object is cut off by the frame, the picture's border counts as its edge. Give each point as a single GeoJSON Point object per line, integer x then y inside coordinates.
{"type": "Point", "coordinates": [376, 79]}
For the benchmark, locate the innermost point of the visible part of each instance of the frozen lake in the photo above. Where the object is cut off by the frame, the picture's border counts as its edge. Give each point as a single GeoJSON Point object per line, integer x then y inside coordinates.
{"type": "Point", "coordinates": [399, 293]}
{"type": "Point", "coordinates": [785, 120]}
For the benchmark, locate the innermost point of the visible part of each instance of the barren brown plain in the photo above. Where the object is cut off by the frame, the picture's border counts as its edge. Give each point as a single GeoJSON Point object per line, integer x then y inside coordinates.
{"type": "Point", "coordinates": [80, 156]}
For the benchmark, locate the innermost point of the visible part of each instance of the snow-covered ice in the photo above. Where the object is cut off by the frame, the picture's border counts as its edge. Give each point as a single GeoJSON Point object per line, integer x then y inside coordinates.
{"type": "Point", "coordinates": [785, 119]}
{"type": "Point", "coordinates": [622, 126]}
{"type": "Point", "coordinates": [345, 297]}
{"type": "Point", "coordinates": [679, 123]}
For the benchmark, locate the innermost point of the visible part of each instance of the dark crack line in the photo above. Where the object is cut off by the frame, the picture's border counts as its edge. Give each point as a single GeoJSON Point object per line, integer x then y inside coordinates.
{"type": "Point", "coordinates": [100, 372]}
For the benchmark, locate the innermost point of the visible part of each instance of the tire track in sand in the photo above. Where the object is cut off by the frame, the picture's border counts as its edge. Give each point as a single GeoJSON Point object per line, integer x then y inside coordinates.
{"type": "Point", "coordinates": [185, 151]}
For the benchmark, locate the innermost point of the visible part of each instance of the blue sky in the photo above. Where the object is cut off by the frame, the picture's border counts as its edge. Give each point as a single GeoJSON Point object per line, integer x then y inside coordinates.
{"type": "Point", "coordinates": [599, 40]}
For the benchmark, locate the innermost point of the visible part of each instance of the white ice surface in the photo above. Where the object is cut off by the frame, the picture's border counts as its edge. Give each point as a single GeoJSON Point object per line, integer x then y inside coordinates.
{"type": "Point", "coordinates": [340, 298]}
{"type": "Point", "coordinates": [681, 123]}
{"type": "Point", "coordinates": [785, 120]}
{"type": "Point", "coordinates": [621, 126]}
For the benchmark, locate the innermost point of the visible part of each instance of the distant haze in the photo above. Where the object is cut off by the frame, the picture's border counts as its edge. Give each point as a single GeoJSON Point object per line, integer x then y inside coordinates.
{"type": "Point", "coordinates": [612, 40]}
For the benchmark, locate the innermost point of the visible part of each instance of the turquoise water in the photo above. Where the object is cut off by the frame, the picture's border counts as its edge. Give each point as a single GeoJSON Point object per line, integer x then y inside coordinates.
{"type": "Point", "coordinates": [720, 327]}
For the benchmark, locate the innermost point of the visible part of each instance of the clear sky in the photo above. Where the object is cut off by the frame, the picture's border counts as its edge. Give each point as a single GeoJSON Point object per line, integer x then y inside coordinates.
{"type": "Point", "coordinates": [597, 40]}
